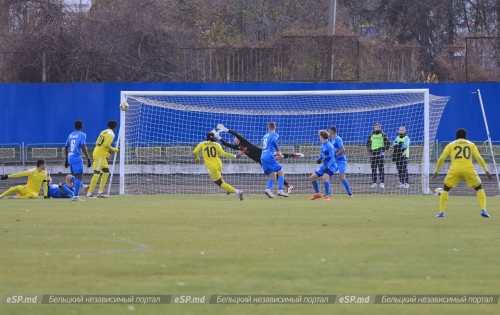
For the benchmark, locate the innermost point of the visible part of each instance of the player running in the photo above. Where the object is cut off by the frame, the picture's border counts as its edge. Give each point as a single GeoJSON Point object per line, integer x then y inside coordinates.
{"type": "Point", "coordinates": [100, 155]}
{"type": "Point", "coordinates": [211, 150]}
{"type": "Point", "coordinates": [461, 152]}
{"type": "Point", "coordinates": [250, 149]}
{"type": "Point", "coordinates": [340, 158]}
{"type": "Point", "coordinates": [36, 178]}
{"type": "Point", "coordinates": [75, 145]}
{"type": "Point", "coordinates": [327, 157]}
{"type": "Point", "coordinates": [269, 161]}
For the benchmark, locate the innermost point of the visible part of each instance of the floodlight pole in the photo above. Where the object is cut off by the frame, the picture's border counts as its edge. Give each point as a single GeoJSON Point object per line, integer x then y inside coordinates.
{"type": "Point", "coordinates": [332, 14]}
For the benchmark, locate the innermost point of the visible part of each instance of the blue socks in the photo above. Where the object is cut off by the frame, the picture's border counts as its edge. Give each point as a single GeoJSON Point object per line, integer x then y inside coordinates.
{"type": "Point", "coordinates": [315, 186]}
{"type": "Point", "coordinates": [347, 187]}
{"type": "Point", "coordinates": [78, 185]}
{"type": "Point", "coordinates": [270, 183]}
{"type": "Point", "coordinates": [327, 188]}
{"type": "Point", "coordinates": [281, 180]}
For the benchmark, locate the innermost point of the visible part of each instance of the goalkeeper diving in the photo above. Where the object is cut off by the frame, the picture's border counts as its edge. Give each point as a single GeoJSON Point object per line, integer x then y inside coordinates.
{"type": "Point", "coordinates": [210, 151]}
{"type": "Point", "coordinates": [250, 149]}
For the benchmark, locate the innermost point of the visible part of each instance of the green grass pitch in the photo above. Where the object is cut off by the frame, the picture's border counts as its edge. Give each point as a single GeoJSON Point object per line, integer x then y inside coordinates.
{"type": "Point", "coordinates": [194, 244]}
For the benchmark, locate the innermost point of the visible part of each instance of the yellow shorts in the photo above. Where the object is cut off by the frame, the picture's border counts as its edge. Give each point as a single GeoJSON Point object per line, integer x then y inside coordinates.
{"type": "Point", "coordinates": [100, 162]}
{"type": "Point", "coordinates": [30, 195]}
{"type": "Point", "coordinates": [22, 192]}
{"type": "Point", "coordinates": [214, 171]}
{"type": "Point", "coordinates": [470, 177]}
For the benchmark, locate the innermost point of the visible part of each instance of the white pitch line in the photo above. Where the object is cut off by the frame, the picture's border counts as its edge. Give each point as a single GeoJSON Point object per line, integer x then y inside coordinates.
{"type": "Point", "coordinates": [115, 251]}
{"type": "Point", "coordinates": [140, 247]}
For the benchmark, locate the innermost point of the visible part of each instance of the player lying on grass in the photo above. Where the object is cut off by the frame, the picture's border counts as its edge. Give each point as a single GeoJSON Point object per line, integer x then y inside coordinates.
{"type": "Point", "coordinates": [327, 157]}
{"type": "Point", "coordinates": [100, 155]}
{"type": "Point", "coordinates": [250, 149]}
{"type": "Point", "coordinates": [63, 190]}
{"type": "Point", "coordinates": [462, 167]}
{"type": "Point", "coordinates": [211, 150]}
{"type": "Point", "coordinates": [36, 177]}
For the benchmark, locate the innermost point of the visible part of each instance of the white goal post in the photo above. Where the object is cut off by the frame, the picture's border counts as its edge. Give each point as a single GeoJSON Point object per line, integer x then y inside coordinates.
{"type": "Point", "coordinates": [161, 128]}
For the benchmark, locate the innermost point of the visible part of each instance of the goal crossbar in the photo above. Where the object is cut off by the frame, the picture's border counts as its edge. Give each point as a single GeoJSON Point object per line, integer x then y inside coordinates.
{"type": "Point", "coordinates": [155, 99]}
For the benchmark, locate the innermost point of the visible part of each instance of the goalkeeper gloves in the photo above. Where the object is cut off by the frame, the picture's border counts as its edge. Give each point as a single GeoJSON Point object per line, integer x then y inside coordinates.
{"type": "Point", "coordinates": [222, 128]}
{"type": "Point", "coordinates": [216, 134]}
{"type": "Point", "coordinates": [319, 161]}
{"type": "Point", "coordinates": [89, 163]}
{"type": "Point", "coordinates": [116, 150]}
{"type": "Point", "coordinates": [4, 177]}
{"type": "Point", "coordinates": [66, 164]}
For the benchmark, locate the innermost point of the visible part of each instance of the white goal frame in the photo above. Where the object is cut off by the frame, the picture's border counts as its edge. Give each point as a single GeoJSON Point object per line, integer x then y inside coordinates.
{"type": "Point", "coordinates": [424, 92]}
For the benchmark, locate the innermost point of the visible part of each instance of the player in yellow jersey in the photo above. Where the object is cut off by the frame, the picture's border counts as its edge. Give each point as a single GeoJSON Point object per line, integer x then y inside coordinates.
{"type": "Point", "coordinates": [461, 152]}
{"type": "Point", "coordinates": [211, 150]}
{"type": "Point", "coordinates": [36, 178]}
{"type": "Point", "coordinates": [100, 154]}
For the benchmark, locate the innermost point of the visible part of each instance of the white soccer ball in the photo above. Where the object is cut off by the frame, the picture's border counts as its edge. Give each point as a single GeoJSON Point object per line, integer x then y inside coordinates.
{"type": "Point", "coordinates": [124, 106]}
{"type": "Point", "coordinates": [438, 191]}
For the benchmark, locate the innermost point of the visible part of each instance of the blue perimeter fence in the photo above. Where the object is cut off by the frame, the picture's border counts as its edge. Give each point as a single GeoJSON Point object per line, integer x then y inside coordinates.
{"type": "Point", "coordinates": [35, 119]}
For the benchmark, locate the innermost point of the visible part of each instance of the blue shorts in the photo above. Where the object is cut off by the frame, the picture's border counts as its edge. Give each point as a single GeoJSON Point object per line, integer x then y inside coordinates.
{"type": "Point", "coordinates": [75, 165]}
{"type": "Point", "coordinates": [320, 171]}
{"type": "Point", "coordinates": [270, 166]}
{"type": "Point", "coordinates": [58, 194]}
{"type": "Point", "coordinates": [341, 166]}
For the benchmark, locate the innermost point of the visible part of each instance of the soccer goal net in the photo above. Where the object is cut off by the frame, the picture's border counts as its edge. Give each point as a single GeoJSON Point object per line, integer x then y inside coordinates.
{"type": "Point", "coordinates": [160, 130]}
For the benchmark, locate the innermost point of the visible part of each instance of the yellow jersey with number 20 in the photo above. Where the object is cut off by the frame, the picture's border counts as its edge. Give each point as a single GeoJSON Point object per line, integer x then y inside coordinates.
{"type": "Point", "coordinates": [461, 152]}
{"type": "Point", "coordinates": [103, 143]}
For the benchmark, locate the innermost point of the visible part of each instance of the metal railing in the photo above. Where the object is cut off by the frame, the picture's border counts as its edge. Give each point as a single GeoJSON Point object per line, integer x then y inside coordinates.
{"type": "Point", "coordinates": [50, 152]}
{"type": "Point", "coordinates": [10, 153]}
{"type": "Point", "coordinates": [15, 153]}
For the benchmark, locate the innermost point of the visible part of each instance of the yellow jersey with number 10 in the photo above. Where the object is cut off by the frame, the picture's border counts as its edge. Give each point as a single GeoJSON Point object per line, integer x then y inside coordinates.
{"type": "Point", "coordinates": [461, 152]}
{"type": "Point", "coordinates": [103, 143]}
{"type": "Point", "coordinates": [211, 151]}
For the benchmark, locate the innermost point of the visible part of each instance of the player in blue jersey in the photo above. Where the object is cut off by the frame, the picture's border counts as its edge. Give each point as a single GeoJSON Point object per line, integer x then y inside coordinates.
{"type": "Point", "coordinates": [59, 191]}
{"type": "Point", "coordinates": [63, 190]}
{"type": "Point", "coordinates": [270, 165]}
{"type": "Point", "coordinates": [326, 170]}
{"type": "Point", "coordinates": [340, 158]}
{"type": "Point", "coordinates": [75, 145]}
